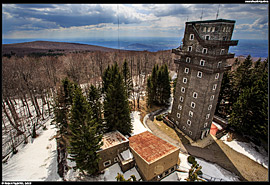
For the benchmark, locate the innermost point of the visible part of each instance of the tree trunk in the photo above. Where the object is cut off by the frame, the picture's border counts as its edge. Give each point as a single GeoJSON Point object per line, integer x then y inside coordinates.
{"type": "Point", "coordinates": [16, 127]}
{"type": "Point", "coordinates": [29, 112]}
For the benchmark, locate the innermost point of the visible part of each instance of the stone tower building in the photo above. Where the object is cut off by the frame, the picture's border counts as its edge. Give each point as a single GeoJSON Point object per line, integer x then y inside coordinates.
{"type": "Point", "coordinates": [202, 62]}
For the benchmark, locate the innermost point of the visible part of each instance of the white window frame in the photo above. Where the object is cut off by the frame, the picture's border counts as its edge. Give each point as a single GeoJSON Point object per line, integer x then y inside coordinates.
{"type": "Point", "coordinates": [202, 62]}
{"type": "Point", "coordinates": [219, 64]}
{"type": "Point", "coordinates": [178, 115]}
{"type": "Point", "coordinates": [199, 76]}
{"type": "Point", "coordinates": [193, 105]}
{"type": "Point", "coordinates": [186, 70]}
{"type": "Point", "coordinates": [204, 49]}
{"type": "Point", "coordinates": [115, 159]}
{"type": "Point", "coordinates": [191, 37]}
{"type": "Point", "coordinates": [222, 51]}
{"type": "Point", "coordinates": [180, 107]}
{"type": "Point", "coordinates": [207, 116]}
{"type": "Point", "coordinates": [105, 165]}
{"type": "Point", "coordinates": [209, 29]}
{"type": "Point", "coordinates": [188, 59]}
{"type": "Point", "coordinates": [214, 87]}
{"type": "Point", "coordinates": [188, 122]}
{"type": "Point", "coordinates": [177, 122]}
{"type": "Point", "coordinates": [212, 97]}
{"type": "Point", "coordinates": [190, 133]}
{"type": "Point", "coordinates": [184, 80]}
{"type": "Point", "coordinates": [190, 114]}
{"type": "Point", "coordinates": [183, 89]}
{"type": "Point", "coordinates": [210, 107]}
{"type": "Point", "coordinates": [189, 48]}
{"type": "Point", "coordinates": [217, 76]}
{"type": "Point", "coordinates": [207, 36]}
{"type": "Point", "coordinates": [195, 95]}
{"type": "Point", "coordinates": [204, 29]}
{"type": "Point", "coordinates": [181, 98]}
{"type": "Point", "coordinates": [184, 127]}
{"type": "Point", "coordinates": [205, 124]}
{"type": "Point", "coordinates": [213, 29]}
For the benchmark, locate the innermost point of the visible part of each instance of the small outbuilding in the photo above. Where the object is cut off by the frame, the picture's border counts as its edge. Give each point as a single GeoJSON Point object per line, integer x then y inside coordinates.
{"type": "Point", "coordinates": [155, 158]}
{"type": "Point", "coordinates": [114, 143]}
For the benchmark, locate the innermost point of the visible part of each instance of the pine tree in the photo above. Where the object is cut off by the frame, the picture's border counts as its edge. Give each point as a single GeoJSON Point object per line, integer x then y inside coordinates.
{"type": "Point", "coordinates": [149, 91]}
{"type": "Point", "coordinates": [166, 87]}
{"type": "Point", "coordinates": [116, 105]}
{"type": "Point", "coordinates": [85, 139]}
{"type": "Point", "coordinates": [94, 100]}
{"type": "Point", "coordinates": [249, 112]}
{"type": "Point", "coordinates": [127, 78]}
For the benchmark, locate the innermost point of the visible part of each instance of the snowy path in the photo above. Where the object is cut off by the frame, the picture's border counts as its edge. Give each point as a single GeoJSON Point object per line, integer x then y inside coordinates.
{"type": "Point", "coordinates": [35, 161]}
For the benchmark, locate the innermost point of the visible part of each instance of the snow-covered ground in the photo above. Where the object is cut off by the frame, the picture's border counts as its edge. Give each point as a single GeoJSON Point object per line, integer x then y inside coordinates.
{"type": "Point", "coordinates": [248, 149]}
{"type": "Point", "coordinates": [209, 170]}
{"type": "Point", "coordinates": [35, 161]}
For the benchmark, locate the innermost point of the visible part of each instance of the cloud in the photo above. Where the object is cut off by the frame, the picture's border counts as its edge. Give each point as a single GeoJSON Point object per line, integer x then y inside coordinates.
{"type": "Point", "coordinates": [83, 18]}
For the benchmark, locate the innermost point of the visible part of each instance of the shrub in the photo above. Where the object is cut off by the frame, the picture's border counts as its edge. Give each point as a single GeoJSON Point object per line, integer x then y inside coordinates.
{"type": "Point", "coordinates": [191, 159]}
{"type": "Point", "coordinates": [159, 117]}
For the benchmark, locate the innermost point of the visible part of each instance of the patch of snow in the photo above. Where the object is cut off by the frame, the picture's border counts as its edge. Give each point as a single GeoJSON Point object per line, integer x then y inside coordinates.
{"type": "Point", "coordinates": [126, 154]}
{"type": "Point", "coordinates": [209, 170]}
{"type": "Point", "coordinates": [36, 161]}
{"type": "Point", "coordinates": [248, 149]}
{"type": "Point", "coordinates": [138, 127]}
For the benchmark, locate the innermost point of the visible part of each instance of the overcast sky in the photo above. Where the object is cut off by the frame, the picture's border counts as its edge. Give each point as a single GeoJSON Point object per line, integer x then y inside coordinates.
{"type": "Point", "coordinates": [150, 20]}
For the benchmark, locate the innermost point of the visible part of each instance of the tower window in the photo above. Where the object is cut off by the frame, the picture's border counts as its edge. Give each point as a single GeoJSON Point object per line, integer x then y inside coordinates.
{"type": "Point", "coordinates": [222, 51]}
{"type": "Point", "coordinates": [191, 37]}
{"type": "Point", "coordinates": [178, 115]}
{"type": "Point", "coordinates": [177, 122]}
{"type": "Point", "coordinates": [183, 89]}
{"type": "Point", "coordinates": [204, 50]}
{"type": "Point", "coordinates": [190, 133]}
{"type": "Point", "coordinates": [181, 99]}
{"type": "Point", "coordinates": [195, 95]}
{"type": "Point", "coordinates": [186, 70]}
{"type": "Point", "coordinates": [193, 105]}
{"type": "Point", "coordinates": [217, 75]}
{"type": "Point", "coordinates": [212, 97]}
{"type": "Point", "coordinates": [207, 116]}
{"type": "Point", "coordinates": [180, 107]}
{"type": "Point", "coordinates": [207, 37]}
{"type": "Point", "coordinates": [188, 59]}
{"type": "Point", "coordinates": [199, 74]}
{"type": "Point", "coordinates": [209, 107]}
{"type": "Point", "coordinates": [202, 62]}
{"type": "Point", "coordinates": [219, 64]}
{"type": "Point", "coordinates": [214, 87]}
{"type": "Point", "coordinates": [189, 122]}
{"type": "Point", "coordinates": [189, 48]}
{"type": "Point", "coordinates": [205, 125]}
{"type": "Point", "coordinates": [204, 29]}
{"type": "Point", "coordinates": [184, 127]}
{"type": "Point", "coordinates": [209, 29]}
{"type": "Point", "coordinates": [213, 29]}
{"type": "Point", "coordinates": [190, 114]}
{"type": "Point", "coordinates": [184, 80]}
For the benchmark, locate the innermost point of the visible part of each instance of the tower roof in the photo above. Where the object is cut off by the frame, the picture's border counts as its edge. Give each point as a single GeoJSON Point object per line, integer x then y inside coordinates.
{"type": "Point", "coordinates": [213, 21]}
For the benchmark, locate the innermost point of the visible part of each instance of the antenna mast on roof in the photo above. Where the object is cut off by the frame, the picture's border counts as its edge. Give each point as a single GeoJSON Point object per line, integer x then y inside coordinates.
{"type": "Point", "coordinates": [118, 27]}
{"type": "Point", "coordinates": [217, 11]}
{"type": "Point", "coordinates": [201, 14]}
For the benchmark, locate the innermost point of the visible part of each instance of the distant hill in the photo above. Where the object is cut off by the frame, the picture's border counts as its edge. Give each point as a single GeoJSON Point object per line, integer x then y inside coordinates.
{"type": "Point", "coordinates": [48, 47]}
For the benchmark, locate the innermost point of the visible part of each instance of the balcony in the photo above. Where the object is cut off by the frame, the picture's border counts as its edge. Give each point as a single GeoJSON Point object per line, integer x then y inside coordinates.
{"type": "Point", "coordinates": [221, 43]}
{"type": "Point", "coordinates": [179, 51]}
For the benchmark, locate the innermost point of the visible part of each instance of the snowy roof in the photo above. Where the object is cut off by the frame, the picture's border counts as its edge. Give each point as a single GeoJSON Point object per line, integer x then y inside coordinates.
{"type": "Point", "coordinates": [126, 154]}
{"type": "Point", "coordinates": [111, 139]}
{"type": "Point", "coordinates": [150, 147]}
